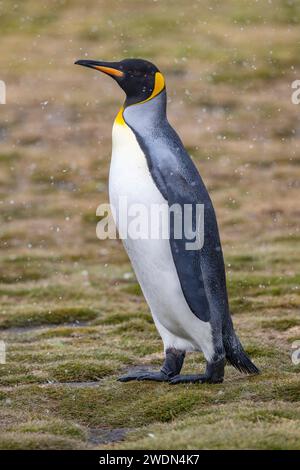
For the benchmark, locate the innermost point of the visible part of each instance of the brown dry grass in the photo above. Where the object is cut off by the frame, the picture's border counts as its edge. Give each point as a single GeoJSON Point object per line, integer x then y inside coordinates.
{"type": "Point", "coordinates": [229, 67]}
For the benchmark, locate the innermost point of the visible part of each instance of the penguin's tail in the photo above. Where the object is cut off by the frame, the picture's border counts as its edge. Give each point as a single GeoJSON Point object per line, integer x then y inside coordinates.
{"type": "Point", "coordinates": [236, 355]}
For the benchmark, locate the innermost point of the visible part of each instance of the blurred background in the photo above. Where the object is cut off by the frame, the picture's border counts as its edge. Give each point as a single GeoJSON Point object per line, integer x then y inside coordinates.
{"type": "Point", "coordinates": [72, 315]}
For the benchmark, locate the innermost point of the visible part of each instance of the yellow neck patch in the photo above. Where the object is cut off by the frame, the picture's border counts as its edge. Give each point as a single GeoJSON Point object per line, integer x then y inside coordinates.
{"type": "Point", "coordinates": [159, 85]}
{"type": "Point", "coordinates": [119, 117]}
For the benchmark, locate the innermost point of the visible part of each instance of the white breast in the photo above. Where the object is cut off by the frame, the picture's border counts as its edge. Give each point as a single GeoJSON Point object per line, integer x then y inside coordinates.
{"type": "Point", "coordinates": [151, 259]}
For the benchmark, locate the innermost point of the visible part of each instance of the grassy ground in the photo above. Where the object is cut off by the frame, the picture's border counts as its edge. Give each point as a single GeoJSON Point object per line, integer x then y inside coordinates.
{"type": "Point", "coordinates": [72, 315]}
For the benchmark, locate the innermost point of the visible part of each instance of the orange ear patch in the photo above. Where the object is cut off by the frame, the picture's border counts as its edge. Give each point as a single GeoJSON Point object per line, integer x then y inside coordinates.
{"type": "Point", "coordinates": [159, 85]}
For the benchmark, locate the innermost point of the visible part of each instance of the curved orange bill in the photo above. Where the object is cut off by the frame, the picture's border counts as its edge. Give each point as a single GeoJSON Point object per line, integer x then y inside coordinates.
{"type": "Point", "coordinates": [109, 71]}
{"type": "Point", "coordinates": [110, 68]}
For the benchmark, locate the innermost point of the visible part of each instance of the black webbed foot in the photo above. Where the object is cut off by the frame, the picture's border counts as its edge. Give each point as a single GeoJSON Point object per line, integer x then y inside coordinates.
{"type": "Point", "coordinates": [193, 378]}
{"type": "Point", "coordinates": [171, 367]}
{"type": "Point", "coordinates": [214, 374]}
{"type": "Point", "coordinates": [155, 376]}
{"type": "Point", "coordinates": [144, 375]}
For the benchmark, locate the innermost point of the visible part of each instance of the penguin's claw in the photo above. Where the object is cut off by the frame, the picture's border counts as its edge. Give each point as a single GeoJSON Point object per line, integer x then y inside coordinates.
{"type": "Point", "coordinates": [195, 378]}
{"type": "Point", "coordinates": [144, 375]}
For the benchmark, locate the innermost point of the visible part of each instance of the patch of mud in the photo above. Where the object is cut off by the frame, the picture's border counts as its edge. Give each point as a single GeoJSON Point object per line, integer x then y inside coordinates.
{"type": "Point", "coordinates": [29, 329]}
{"type": "Point", "coordinates": [79, 384]}
{"type": "Point", "coordinates": [53, 384]}
{"type": "Point", "coordinates": [98, 436]}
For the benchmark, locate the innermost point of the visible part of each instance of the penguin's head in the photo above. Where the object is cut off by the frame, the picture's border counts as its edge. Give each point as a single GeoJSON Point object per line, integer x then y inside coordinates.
{"type": "Point", "coordinates": [141, 80]}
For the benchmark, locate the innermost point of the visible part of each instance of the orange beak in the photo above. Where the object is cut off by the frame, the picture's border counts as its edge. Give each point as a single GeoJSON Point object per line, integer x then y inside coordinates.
{"type": "Point", "coordinates": [109, 71]}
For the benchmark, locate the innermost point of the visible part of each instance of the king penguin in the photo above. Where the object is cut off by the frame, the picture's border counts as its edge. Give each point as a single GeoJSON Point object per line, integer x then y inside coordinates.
{"type": "Point", "coordinates": [184, 288]}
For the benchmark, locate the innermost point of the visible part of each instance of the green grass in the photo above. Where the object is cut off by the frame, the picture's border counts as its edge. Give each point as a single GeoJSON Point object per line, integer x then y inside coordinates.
{"type": "Point", "coordinates": [80, 371]}
{"type": "Point", "coordinates": [236, 428]}
{"type": "Point", "coordinates": [52, 315]}
{"type": "Point", "coordinates": [281, 324]}
{"type": "Point", "coordinates": [71, 312]}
